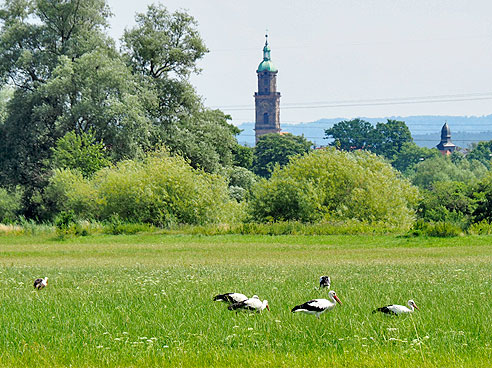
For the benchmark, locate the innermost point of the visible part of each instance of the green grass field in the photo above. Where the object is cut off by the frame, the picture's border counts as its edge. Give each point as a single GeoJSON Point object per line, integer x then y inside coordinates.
{"type": "Point", "coordinates": [146, 301]}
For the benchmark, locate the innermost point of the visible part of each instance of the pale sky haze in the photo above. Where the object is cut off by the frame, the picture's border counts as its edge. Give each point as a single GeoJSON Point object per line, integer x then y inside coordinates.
{"type": "Point", "coordinates": [341, 52]}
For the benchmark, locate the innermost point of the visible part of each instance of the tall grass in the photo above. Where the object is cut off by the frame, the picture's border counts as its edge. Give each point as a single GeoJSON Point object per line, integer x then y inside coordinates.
{"type": "Point", "coordinates": [146, 300]}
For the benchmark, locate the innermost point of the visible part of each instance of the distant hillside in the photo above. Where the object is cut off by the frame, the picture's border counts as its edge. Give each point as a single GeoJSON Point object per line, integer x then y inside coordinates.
{"type": "Point", "coordinates": [426, 130]}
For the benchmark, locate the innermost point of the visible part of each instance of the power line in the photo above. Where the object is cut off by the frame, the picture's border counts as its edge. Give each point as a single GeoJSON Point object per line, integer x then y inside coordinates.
{"type": "Point", "coordinates": [371, 102]}
{"type": "Point", "coordinates": [419, 140]}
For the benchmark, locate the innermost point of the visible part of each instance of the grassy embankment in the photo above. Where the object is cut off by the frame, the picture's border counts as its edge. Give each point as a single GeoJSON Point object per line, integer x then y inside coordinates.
{"type": "Point", "coordinates": [146, 300]}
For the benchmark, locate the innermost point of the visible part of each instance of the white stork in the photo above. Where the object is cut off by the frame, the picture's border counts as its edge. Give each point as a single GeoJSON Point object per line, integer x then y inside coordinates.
{"type": "Point", "coordinates": [396, 309]}
{"type": "Point", "coordinates": [318, 306]}
{"type": "Point", "coordinates": [40, 283]}
{"type": "Point", "coordinates": [230, 298]}
{"type": "Point", "coordinates": [253, 304]}
{"type": "Point", "coordinates": [324, 282]}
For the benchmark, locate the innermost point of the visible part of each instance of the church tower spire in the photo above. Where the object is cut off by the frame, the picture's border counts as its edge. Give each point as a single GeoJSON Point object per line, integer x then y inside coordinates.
{"type": "Point", "coordinates": [446, 146]}
{"type": "Point", "coordinates": [267, 99]}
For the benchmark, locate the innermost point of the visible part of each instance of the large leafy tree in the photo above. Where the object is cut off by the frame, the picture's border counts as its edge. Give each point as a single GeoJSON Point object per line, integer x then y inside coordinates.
{"type": "Point", "coordinates": [389, 138]}
{"type": "Point", "coordinates": [349, 135]}
{"type": "Point", "coordinates": [410, 155]}
{"type": "Point", "coordinates": [67, 77]}
{"type": "Point", "coordinates": [163, 49]}
{"type": "Point", "coordinates": [385, 139]}
{"type": "Point", "coordinates": [481, 151]}
{"type": "Point", "coordinates": [277, 149]}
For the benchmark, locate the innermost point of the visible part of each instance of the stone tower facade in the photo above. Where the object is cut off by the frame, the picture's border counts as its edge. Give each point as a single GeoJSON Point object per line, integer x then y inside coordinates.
{"type": "Point", "coordinates": [267, 99]}
{"type": "Point", "coordinates": [446, 146]}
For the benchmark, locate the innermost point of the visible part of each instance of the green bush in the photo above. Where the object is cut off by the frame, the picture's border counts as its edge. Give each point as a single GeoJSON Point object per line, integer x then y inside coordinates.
{"type": "Point", "coordinates": [480, 228]}
{"type": "Point", "coordinates": [10, 204]}
{"type": "Point", "coordinates": [437, 229]}
{"type": "Point", "coordinates": [331, 185]}
{"type": "Point", "coordinates": [443, 230]}
{"type": "Point", "coordinates": [161, 190]}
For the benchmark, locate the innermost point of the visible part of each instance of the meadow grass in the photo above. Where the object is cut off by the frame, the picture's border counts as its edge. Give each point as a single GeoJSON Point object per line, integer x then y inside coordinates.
{"type": "Point", "coordinates": [146, 301]}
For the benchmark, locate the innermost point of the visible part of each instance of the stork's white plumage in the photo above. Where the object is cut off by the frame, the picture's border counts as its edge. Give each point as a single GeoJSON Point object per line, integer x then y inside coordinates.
{"type": "Point", "coordinates": [396, 309]}
{"type": "Point", "coordinates": [40, 283]}
{"type": "Point", "coordinates": [253, 304]}
{"type": "Point", "coordinates": [230, 298]}
{"type": "Point", "coordinates": [324, 282]}
{"type": "Point", "coordinates": [318, 306]}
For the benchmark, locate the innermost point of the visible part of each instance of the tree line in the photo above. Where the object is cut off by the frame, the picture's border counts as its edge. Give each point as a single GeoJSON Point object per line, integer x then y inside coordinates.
{"type": "Point", "coordinates": [99, 131]}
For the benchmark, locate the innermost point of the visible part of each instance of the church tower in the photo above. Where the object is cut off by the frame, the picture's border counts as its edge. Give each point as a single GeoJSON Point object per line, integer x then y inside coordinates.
{"type": "Point", "coordinates": [446, 146]}
{"type": "Point", "coordinates": [267, 99]}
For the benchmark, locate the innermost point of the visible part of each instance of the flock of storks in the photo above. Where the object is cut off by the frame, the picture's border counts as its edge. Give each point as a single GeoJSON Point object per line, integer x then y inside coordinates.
{"type": "Point", "coordinates": [238, 301]}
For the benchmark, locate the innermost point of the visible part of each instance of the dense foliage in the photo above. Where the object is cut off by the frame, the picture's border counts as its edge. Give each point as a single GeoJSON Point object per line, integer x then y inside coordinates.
{"type": "Point", "coordinates": [80, 120]}
{"type": "Point", "coordinates": [161, 190]}
{"type": "Point", "coordinates": [385, 139]}
{"type": "Point", "coordinates": [69, 78]}
{"type": "Point", "coordinates": [277, 149]}
{"type": "Point", "coordinates": [81, 152]}
{"type": "Point", "coordinates": [335, 184]}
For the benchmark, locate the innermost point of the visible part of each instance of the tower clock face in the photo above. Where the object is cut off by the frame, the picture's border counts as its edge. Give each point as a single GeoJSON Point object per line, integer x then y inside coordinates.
{"type": "Point", "coordinates": [264, 105]}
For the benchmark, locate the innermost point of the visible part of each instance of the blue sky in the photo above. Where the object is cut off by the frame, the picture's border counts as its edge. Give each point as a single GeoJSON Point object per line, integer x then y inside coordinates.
{"type": "Point", "coordinates": [379, 57]}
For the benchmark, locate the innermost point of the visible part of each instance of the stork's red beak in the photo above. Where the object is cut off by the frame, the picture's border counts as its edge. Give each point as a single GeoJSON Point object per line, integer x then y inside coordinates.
{"type": "Point", "coordinates": [338, 300]}
{"type": "Point", "coordinates": [415, 306]}
{"type": "Point", "coordinates": [267, 307]}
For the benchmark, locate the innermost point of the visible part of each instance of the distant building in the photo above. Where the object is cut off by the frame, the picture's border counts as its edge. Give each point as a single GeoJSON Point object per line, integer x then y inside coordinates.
{"type": "Point", "coordinates": [446, 146]}
{"type": "Point", "coordinates": [267, 99]}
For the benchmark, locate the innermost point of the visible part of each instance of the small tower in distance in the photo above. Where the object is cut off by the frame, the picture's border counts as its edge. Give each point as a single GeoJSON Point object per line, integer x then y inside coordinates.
{"type": "Point", "coordinates": [267, 99]}
{"type": "Point", "coordinates": [446, 146]}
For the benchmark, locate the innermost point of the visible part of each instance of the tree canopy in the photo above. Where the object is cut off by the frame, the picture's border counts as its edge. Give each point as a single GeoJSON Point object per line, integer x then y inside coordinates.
{"type": "Point", "coordinates": [68, 76]}
{"type": "Point", "coordinates": [277, 149]}
{"type": "Point", "coordinates": [331, 184]}
{"type": "Point", "coordinates": [385, 139]}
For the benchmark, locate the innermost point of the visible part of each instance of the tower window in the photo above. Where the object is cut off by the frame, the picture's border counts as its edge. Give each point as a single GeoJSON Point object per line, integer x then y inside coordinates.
{"type": "Point", "coordinates": [265, 118]}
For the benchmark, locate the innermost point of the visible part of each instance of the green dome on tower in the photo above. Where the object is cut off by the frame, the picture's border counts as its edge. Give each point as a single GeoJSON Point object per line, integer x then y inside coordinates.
{"type": "Point", "coordinates": [266, 64]}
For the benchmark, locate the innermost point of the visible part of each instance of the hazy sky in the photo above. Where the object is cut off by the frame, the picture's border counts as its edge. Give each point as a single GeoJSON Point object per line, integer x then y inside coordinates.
{"type": "Point", "coordinates": [370, 54]}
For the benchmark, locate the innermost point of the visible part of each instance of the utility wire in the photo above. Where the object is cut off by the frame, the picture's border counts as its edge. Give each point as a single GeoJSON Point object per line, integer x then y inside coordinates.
{"type": "Point", "coordinates": [371, 102]}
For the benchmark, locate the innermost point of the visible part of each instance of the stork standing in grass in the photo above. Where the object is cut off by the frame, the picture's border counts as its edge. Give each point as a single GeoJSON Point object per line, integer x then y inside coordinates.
{"type": "Point", "coordinates": [230, 298]}
{"type": "Point", "coordinates": [253, 304]}
{"type": "Point", "coordinates": [396, 309]}
{"type": "Point", "coordinates": [40, 283]}
{"type": "Point", "coordinates": [324, 282]}
{"type": "Point", "coordinates": [318, 306]}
